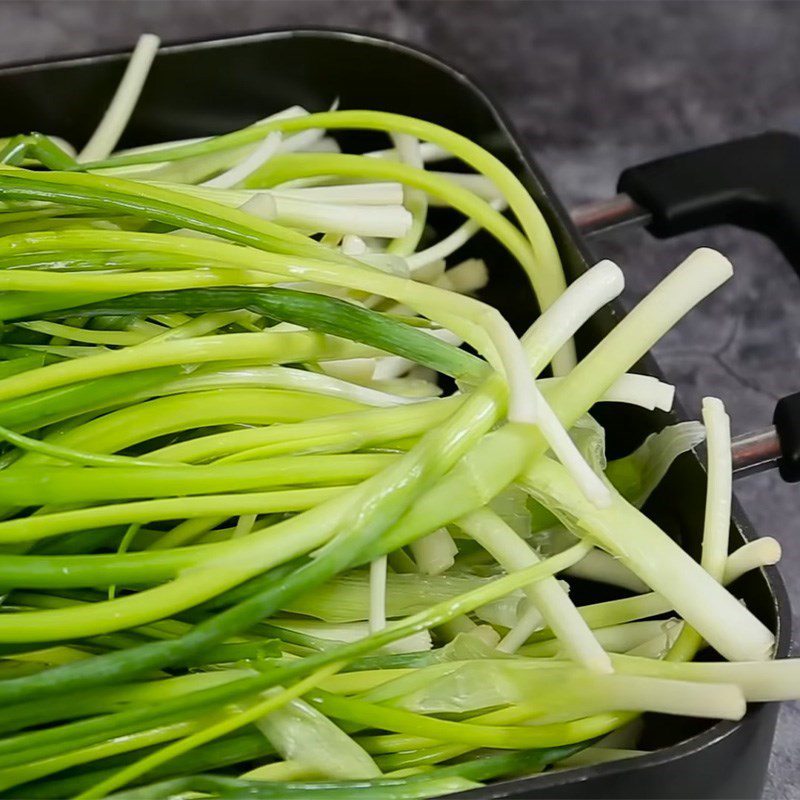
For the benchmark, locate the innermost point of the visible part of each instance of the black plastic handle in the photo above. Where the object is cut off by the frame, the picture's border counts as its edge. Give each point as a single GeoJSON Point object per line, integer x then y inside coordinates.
{"type": "Point", "coordinates": [753, 183]}
{"type": "Point", "coordinates": [787, 425]}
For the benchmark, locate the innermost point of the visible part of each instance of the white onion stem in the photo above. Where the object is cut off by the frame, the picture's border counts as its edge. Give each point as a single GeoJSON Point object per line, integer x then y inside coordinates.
{"type": "Point", "coordinates": [108, 132]}
{"type": "Point", "coordinates": [377, 594]}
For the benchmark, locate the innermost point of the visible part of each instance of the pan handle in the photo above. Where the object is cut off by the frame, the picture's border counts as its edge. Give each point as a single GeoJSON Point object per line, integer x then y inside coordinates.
{"type": "Point", "coordinates": [775, 446]}
{"type": "Point", "coordinates": [753, 183]}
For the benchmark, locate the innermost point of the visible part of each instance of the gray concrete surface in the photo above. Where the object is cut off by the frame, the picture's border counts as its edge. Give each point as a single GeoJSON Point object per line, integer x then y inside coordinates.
{"type": "Point", "coordinates": [593, 87]}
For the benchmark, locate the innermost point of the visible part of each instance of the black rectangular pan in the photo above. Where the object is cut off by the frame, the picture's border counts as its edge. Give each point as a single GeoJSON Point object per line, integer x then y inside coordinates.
{"type": "Point", "coordinates": [213, 87]}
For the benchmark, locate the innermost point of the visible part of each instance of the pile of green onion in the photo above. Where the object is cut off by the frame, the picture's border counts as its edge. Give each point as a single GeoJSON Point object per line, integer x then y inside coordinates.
{"type": "Point", "coordinates": [250, 548]}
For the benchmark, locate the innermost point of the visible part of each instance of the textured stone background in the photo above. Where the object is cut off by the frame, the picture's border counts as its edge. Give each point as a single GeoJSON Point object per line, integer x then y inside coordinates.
{"type": "Point", "coordinates": [592, 87]}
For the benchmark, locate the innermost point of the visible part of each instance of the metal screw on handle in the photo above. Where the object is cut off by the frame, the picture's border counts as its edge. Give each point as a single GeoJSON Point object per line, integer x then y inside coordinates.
{"type": "Point", "coordinates": [603, 216]}
{"type": "Point", "coordinates": [776, 446]}
{"type": "Point", "coordinates": [755, 451]}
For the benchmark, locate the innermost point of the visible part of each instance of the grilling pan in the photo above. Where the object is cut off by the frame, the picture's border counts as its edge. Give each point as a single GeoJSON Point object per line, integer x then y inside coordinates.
{"type": "Point", "coordinates": [211, 87]}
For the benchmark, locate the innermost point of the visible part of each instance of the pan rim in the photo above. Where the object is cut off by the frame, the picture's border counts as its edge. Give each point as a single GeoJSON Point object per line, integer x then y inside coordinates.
{"type": "Point", "coordinates": [694, 744]}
